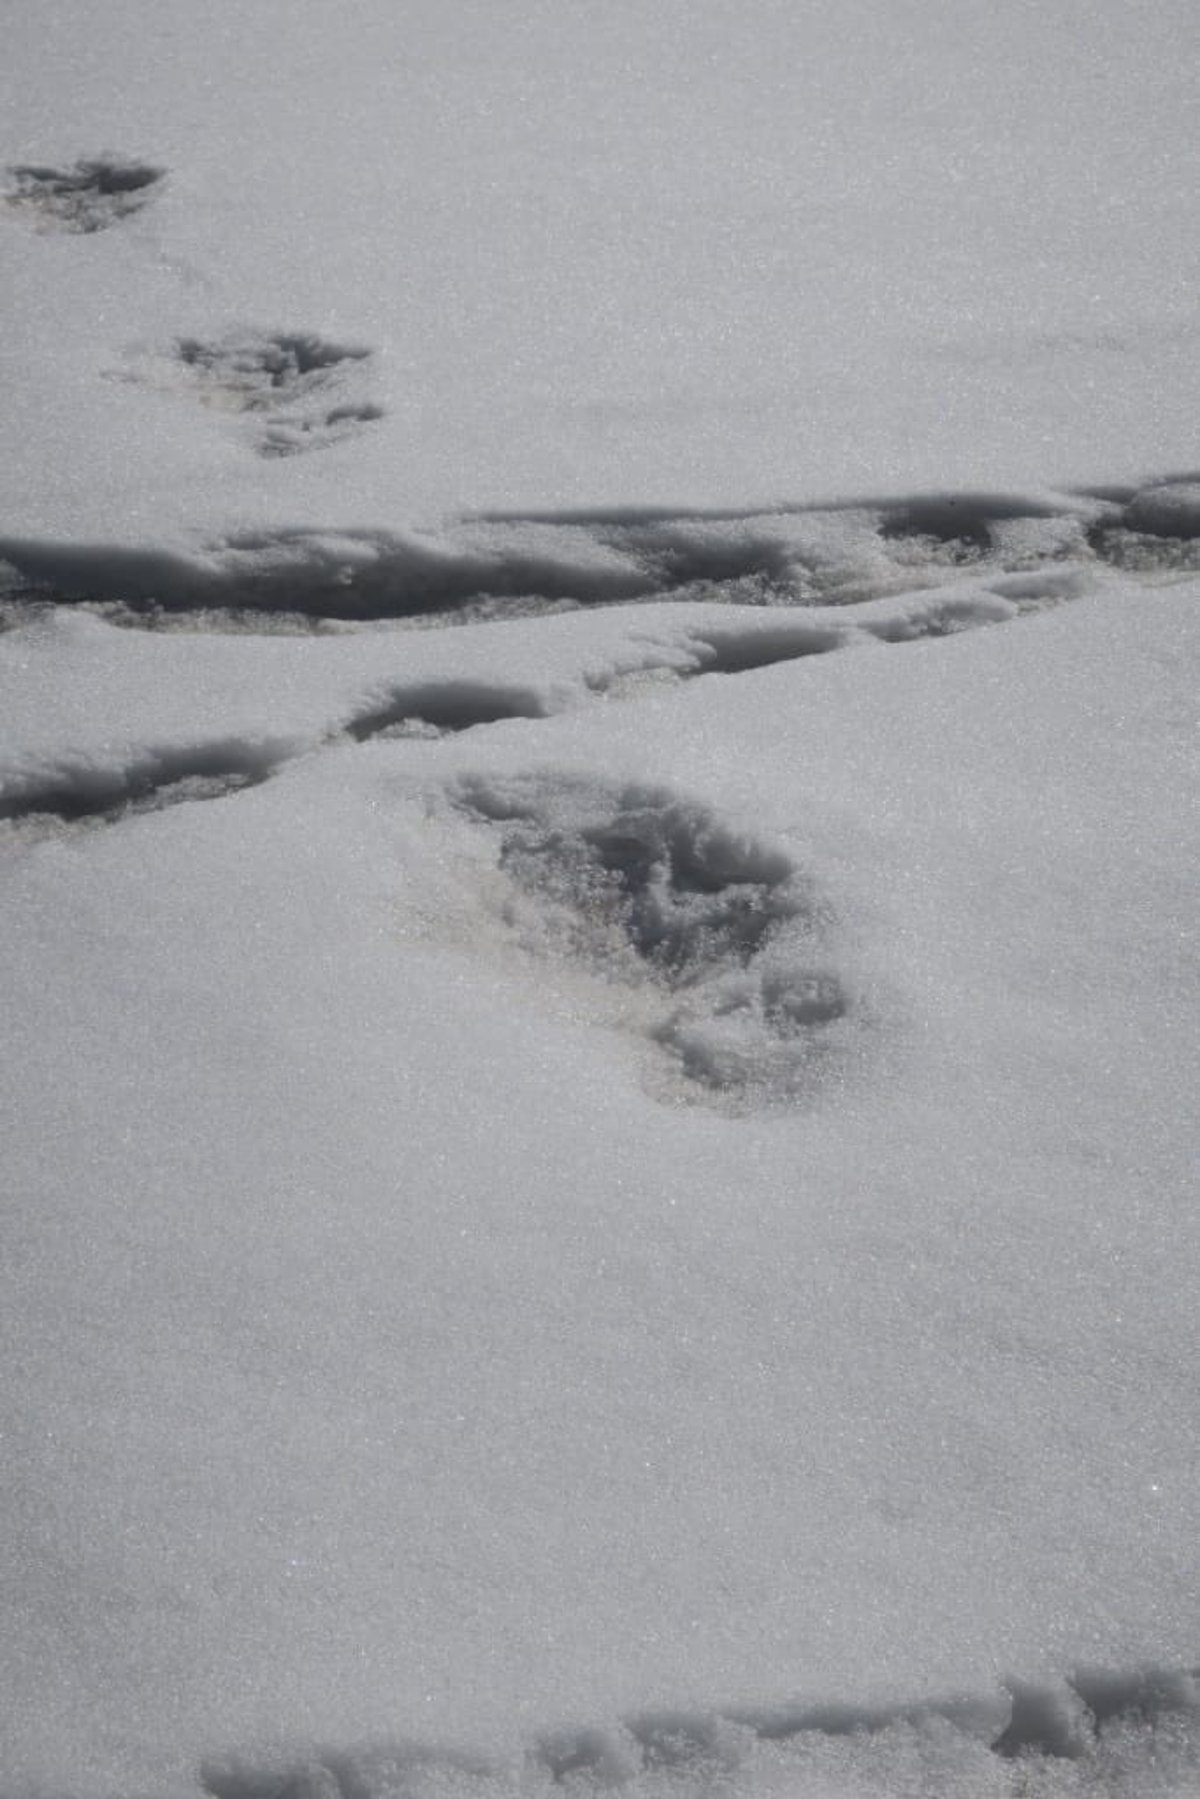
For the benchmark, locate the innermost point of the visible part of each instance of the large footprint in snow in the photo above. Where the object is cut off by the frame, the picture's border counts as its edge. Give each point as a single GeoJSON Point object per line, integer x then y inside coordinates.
{"type": "Point", "coordinates": [90, 195]}
{"type": "Point", "coordinates": [297, 390]}
{"type": "Point", "coordinates": [639, 887]}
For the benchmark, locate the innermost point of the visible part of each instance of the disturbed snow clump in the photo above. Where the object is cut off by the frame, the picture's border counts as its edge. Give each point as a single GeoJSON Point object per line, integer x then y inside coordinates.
{"type": "Point", "coordinates": [648, 890]}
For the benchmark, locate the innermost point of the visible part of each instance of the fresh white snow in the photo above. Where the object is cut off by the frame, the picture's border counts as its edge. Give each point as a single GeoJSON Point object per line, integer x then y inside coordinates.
{"type": "Point", "coordinates": [599, 669]}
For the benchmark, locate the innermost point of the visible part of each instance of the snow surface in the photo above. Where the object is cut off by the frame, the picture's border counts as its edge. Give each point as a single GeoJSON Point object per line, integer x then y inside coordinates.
{"type": "Point", "coordinates": [725, 253]}
{"type": "Point", "coordinates": [440, 1316]}
{"type": "Point", "coordinates": [599, 653]}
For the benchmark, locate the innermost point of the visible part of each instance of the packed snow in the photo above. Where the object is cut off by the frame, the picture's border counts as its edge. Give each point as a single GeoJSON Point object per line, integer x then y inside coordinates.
{"type": "Point", "coordinates": [599, 680]}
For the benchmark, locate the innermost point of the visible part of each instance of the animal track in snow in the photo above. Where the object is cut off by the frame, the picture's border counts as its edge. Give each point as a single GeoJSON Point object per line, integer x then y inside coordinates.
{"type": "Point", "coordinates": [641, 888]}
{"type": "Point", "coordinates": [300, 391]}
{"type": "Point", "coordinates": [89, 195]}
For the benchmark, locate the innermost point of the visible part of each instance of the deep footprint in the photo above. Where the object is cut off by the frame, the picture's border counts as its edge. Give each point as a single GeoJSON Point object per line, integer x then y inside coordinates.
{"type": "Point", "coordinates": [90, 195]}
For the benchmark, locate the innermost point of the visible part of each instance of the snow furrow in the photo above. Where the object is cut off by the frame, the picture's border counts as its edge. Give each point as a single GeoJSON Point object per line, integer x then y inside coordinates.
{"type": "Point", "coordinates": [76, 785]}
{"type": "Point", "coordinates": [510, 565]}
{"type": "Point", "coordinates": [87, 790]}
